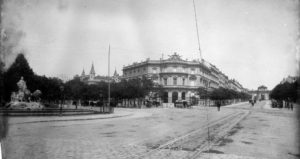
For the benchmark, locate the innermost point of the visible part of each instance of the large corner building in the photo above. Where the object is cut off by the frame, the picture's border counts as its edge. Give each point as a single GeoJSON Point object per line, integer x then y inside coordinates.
{"type": "Point", "coordinates": [181, 78]}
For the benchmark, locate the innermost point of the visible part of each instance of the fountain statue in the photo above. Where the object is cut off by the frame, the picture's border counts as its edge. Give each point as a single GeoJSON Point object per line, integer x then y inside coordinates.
{"type": "Point", "coordinates": [20, 94]}
{"type": "Point", "coordinates": [19, 99]}
{"type": "Point", "coordinates": [22, 85]}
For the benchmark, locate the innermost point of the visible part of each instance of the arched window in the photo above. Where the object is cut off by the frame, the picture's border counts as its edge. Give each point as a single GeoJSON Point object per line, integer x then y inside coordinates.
{"type": "Point", "coordinates": [183, 95]}
{"type": "Point", "coordinates": [165, 97]}
{"type": "Point", "coordinates": [174, 97]}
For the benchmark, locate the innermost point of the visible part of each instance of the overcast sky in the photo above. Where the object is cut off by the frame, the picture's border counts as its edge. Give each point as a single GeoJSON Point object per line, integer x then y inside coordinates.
{"type": "Point", "coordinates": [253, 41]}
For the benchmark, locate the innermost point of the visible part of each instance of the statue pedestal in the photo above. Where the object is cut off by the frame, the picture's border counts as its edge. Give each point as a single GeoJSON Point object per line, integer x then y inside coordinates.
{"type": "Point", "coordinates": [26, 105]}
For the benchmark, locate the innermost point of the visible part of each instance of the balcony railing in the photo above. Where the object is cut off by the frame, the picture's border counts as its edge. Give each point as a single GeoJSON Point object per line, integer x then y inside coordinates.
{"type": "Point", "coordinates": [173, 72]}
{"type": "Point", "coordinates": [181, 86]}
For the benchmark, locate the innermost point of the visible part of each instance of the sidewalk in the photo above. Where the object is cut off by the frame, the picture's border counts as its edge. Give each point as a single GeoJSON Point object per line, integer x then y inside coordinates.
{"type": "Point", "coordinates": [23, 120]}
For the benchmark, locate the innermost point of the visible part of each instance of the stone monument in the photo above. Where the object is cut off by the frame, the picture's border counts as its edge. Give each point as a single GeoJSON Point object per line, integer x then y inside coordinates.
{"type": "Point", "coordinates": [20, 94]}
{"type": "Point", "coordinates": [21, 98]}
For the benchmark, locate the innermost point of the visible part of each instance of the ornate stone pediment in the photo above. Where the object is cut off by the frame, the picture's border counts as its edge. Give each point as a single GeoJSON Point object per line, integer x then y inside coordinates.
{"type": "Point", "coordinates": [193, 77]}
{"type": "Point", "coordinates": [174, 57]}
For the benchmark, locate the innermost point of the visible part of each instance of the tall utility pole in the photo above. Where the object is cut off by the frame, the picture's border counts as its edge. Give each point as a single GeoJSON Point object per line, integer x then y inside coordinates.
{"type": "Point", "coordinates": [109, 76]}
{"type": "Point", "coordinates": [197, 30]}
{"type": "Point", "coordinates": [206, 87]}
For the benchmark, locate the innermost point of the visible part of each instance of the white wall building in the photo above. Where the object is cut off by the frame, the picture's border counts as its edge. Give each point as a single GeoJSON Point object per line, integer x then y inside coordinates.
{"type": "Point", "coordinates": [179, 78]}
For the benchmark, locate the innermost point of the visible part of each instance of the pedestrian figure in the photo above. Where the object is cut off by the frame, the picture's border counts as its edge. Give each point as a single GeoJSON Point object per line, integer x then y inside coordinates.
{"type": "Point", "coordinates": [218, 105]}
{"type": "Point", "coordinates": [75, 104]}
{"type": "Point", "coordinates": [184, 104]}
{"type": "Point", "coordinates": [252, 103]}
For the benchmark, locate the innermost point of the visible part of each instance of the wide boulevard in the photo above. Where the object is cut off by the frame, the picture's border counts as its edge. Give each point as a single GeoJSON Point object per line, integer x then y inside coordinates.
{"type": "Point", "coordinates": [237, 131]}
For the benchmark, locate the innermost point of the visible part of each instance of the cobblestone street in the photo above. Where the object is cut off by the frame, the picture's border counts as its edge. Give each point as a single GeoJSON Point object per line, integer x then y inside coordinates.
{"type": "Point", "coordinates": [104, 138]}
{"type": "Point", "coordinates": [127, 137]}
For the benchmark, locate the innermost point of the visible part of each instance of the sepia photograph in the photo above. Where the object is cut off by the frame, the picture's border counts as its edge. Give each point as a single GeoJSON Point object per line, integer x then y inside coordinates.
{"type": "Point", "coordinates": [149, 79]}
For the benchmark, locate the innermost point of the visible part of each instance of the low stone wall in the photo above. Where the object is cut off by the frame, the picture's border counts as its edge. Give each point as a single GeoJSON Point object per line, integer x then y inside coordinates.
{"type": "Point", "coordinates": [54, 112]}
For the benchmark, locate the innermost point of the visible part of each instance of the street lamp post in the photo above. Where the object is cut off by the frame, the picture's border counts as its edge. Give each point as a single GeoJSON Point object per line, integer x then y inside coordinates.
{"type": "Point", "coordinates": [61, 96]}
{"type": "Point", "coordinates": [101, 100]}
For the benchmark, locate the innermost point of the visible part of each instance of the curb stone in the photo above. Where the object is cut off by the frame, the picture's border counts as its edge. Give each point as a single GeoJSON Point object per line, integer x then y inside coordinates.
{"type": "Point", "coordinates": [62, 120]}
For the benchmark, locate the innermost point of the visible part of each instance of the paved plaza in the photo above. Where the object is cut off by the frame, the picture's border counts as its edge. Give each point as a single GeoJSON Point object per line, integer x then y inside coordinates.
{"type": "Point", "coordinates": [141, 133]}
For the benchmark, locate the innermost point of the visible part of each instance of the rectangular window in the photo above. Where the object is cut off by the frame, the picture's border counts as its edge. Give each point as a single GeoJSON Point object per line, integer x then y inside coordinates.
{"type": "Point", "coordinates": [183, 81]}
{"type": "Point", "coordinates": [192, 71]}
{"type": "Point", "coordinates": [174, 69]}
{"type": "Point", "coordinates": [192, 83]}
{"type": "Point", "coordinates": [174, 81]}
{"type": "Point", "coordinates": [165, 81]}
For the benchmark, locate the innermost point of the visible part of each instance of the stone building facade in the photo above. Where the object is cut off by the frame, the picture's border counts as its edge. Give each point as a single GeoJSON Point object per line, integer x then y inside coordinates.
{"type": "Point", "coordinates": [180, 78]}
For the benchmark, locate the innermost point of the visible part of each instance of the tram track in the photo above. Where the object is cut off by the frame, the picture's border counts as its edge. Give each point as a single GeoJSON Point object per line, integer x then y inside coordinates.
{"type": "Point", "coordinates": [218, 134]}
{"type": "Point", "coordinates": [196, 141]}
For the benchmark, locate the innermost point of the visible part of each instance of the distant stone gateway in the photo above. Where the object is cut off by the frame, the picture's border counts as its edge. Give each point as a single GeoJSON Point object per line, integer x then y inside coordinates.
{"type": "Point", "coordinates": [262, 93]}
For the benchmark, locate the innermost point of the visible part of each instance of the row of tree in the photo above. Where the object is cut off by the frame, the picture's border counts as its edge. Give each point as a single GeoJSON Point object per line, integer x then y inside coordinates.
{"type": "Point", "coordinates": [286, 91]}
{"type": "Point", "coordinates": [222, 94]}
{"type": "Point", "coordinates": [53, 89]}
{"type": "Point", "coordinates": [135, 88]}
